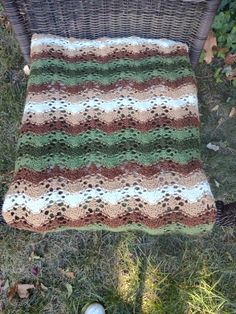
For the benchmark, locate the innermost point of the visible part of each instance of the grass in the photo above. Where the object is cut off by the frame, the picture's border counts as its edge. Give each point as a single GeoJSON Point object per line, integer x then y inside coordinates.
{"type": "Point", "coordinates": [129, 272]}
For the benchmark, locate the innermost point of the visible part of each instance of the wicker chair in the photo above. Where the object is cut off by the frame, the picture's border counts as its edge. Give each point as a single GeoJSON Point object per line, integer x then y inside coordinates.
{"type": "Point", "coordinates": [187, 21]}
{"type": "Point", "coordinates": [183, 20]}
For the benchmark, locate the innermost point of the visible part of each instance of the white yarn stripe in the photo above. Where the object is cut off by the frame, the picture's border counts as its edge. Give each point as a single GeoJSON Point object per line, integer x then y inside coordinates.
{"type": "Point", "coordinates": [39, 107]}
{"type": "Point", "coordinates": [105, 42]}
{"type": "Point", "coordinates": [112, 197]}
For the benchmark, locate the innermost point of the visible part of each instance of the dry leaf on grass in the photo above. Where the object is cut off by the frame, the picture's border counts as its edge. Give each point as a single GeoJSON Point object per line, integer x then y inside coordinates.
{"type": "Point", "coordinates": [70, 274]}
{"type": "Point", "coordinates": [67, 273]}
{"type": "Point", "coordinates": [220, 121]}
{"type": "Point", "coordinates": [35, 270]}
{"type": "Point", "coordinates": [12, 292]}
{"type": "Point", "coordinates": [230, 58]}
{"type": "Point", "coordinates": [215, 108]}
{"type": "Point", "coordinates": [232, 112]}
{"type": "Point", "coordinates": [208, 47]}
{"type": "Point", "coordinates": [22, 290]}
{"type": "Point", "coordinates": [44, 288]}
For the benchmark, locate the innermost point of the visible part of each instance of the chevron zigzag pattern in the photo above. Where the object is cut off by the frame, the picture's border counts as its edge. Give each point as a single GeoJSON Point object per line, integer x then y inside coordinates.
{"type": "Point", "coordinates": [109, 139]}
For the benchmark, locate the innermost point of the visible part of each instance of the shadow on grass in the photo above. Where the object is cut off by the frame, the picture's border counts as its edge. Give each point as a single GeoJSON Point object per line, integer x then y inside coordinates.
{"type": "Point", "coordinates": [129, 272]}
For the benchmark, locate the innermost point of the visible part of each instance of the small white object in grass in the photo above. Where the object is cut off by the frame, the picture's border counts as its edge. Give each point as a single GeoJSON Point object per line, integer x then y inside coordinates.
{"type": "Point", "coordinates": [217, 183]}
{"type": "Point", "coordinates": [228, 70]}
{"type": "Point", "coordinates": [95, 308]}
{"type": "Point", "coordinates": [213, 147]}
{"type": "Point", "coordinates": [215, 108]}
{"type": "Point", "coordinates": [26, 70]}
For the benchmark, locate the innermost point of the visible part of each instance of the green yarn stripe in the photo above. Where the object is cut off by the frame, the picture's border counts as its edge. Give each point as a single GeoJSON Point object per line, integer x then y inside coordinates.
{"type": "Point", "coordinates": [110, 78]}
{"type": "Point", "coordinates": [107, 138]}
{"type": "Point", "coordinates": [73, 162]}
{"type": "Point", "coordinates": [175, 228]}
{"type": "Point", "coordinates": [116, 65]}
{"type": "Point", "coordinates": [109, 149]}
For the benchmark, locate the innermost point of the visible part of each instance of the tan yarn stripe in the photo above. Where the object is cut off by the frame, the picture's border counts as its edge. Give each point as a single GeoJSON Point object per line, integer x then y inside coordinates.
{"type": "Point", "coordinates": [113, 211]}
{"type": "Point", "coordinates": [107, 117]}
{"type": "Point", "coordinates": [208, 217]}
{"type": "Point", "coordinates": [190, 209]}
{"type": "Point", "coordinates": [154, 91]}
{"type": "Point", "coordinates": [154, 182]}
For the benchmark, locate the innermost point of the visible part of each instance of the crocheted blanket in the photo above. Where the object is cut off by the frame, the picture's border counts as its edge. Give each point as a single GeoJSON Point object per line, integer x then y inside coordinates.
{"type": "Point", "coordinates": [110, 139]}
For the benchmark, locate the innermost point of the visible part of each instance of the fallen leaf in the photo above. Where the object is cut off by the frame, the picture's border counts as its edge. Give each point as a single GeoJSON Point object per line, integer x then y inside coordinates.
{"type": "Point", "coordinates": [22, 290]}
{"type": "Point", "coordinates": [70, 274]}
{"type": "Point", "coordinates": [208, 47]}
{"type": "Point", "coordinates": [69, 289]}
{"type": "Point", "coordinates": [215, 108]}
{"type": "Point", "coordinates": [12, 292]}
{"type": "Point", "coordinates": [67, 273]}
{"type": "Point", "coordinates": [222, 49]}
{"type": "Point", "coordinates": [213, 147]}
{"type": "Point", "coordinates": [220, 121]}
{"type": "Point", "coordinates": [230, 58]}
{"type": "Point", "coordinates": [35, 270]}
{"type": "Point", "coordinates": [232, 112]}
{"type": "Point", "coordinates": [44, 288]}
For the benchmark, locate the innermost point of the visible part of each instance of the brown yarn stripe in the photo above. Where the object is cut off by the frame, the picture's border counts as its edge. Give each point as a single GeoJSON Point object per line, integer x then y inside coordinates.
{"type": "Point", "coordinates": [135, 217]}
{"type": "Point", "coordinates": [106, 58]}
{"type": "Point", "coordinates": [73, 89]}
{"type": "Point", "coordinates": [148, 171]}
{"type": "Point", "coordinates": [115, 126]}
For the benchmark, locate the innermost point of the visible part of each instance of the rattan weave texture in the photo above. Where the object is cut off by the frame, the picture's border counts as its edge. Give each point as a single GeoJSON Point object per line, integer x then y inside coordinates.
{"type": "Point", "coordinates": [187, 21]}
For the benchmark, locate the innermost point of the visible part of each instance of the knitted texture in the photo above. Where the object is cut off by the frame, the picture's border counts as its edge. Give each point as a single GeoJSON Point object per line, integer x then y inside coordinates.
{"type": "Point", "coordinates": [110, 139]}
